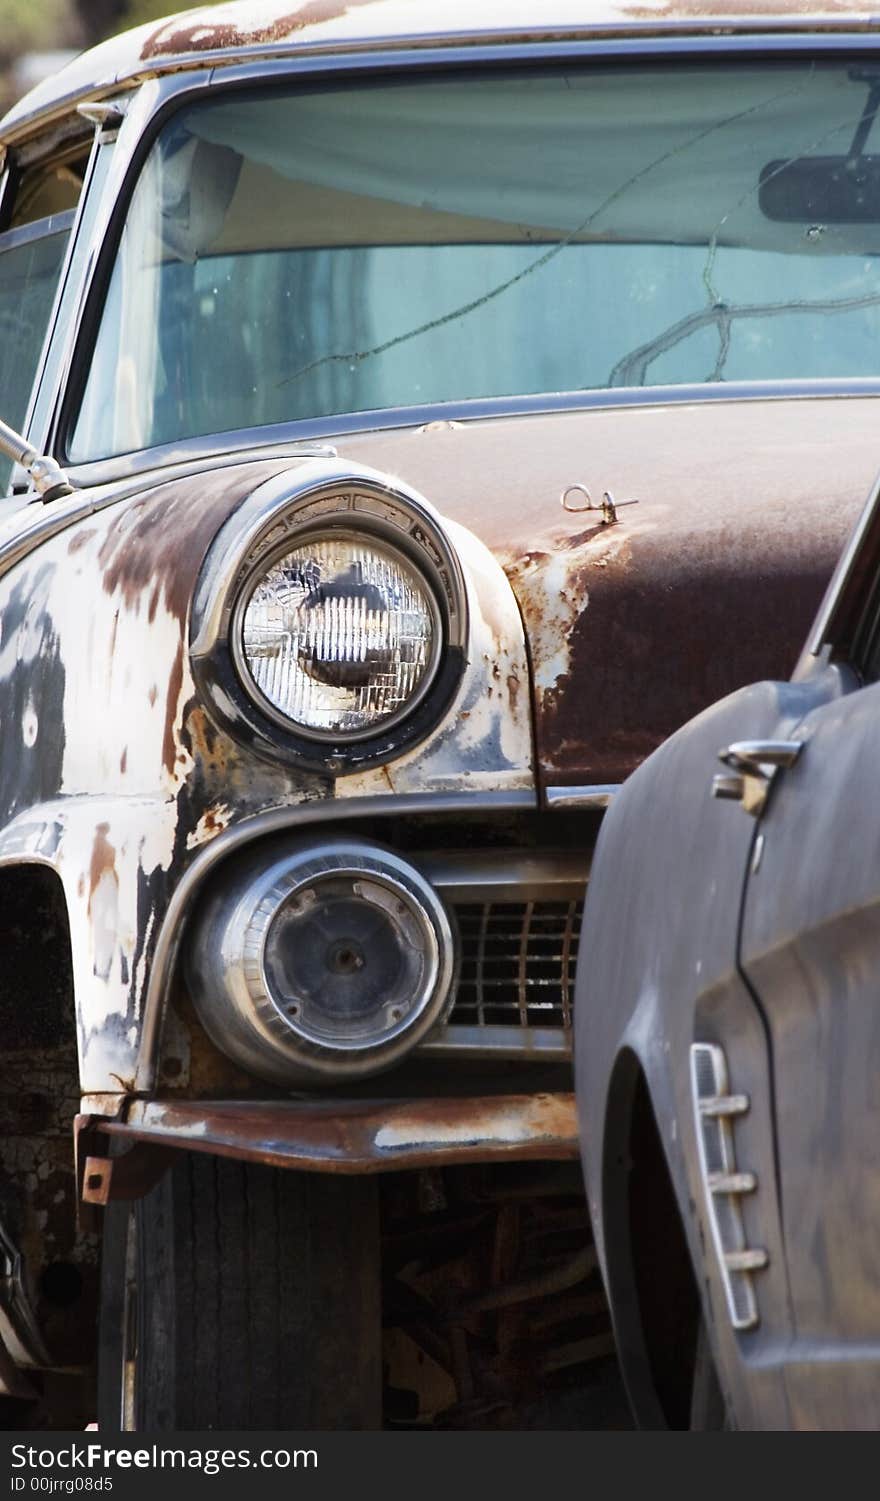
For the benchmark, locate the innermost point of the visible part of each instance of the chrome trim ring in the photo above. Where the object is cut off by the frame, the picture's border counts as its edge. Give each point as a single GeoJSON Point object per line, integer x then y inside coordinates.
{"type": "Point", "coordinates": [317, 496]}
{"type": "Point", "coordinates": [289, 1038]}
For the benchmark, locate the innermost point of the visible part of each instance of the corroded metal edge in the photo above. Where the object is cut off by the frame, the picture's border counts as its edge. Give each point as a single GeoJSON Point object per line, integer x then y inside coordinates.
{"type": "Point", "coordinates": [356, 1136]}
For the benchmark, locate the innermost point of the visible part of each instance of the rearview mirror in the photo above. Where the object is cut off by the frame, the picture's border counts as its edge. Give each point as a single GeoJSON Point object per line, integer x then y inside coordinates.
{"type": "Point", "coordinates": [822, 190]}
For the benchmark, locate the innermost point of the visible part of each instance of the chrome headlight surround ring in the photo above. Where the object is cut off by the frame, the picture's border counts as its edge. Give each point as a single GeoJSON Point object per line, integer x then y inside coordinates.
{"type": "Point", "coordinates": [278, 518]}
{"type": "Point", "coordinates": [264, 998]}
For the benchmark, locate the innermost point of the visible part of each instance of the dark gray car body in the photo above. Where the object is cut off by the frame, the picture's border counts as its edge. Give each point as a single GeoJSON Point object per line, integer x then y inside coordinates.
{"type": "Point", "coordinates": [758, 937]}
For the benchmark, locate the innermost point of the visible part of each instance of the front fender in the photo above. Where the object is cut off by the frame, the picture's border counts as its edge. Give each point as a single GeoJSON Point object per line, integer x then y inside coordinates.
{"type": "Point", "coordinates": [113, 769]}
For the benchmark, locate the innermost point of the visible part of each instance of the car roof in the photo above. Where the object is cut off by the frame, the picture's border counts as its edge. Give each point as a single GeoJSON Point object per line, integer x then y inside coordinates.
{"type": "Point", "coordinates": [217, 35]}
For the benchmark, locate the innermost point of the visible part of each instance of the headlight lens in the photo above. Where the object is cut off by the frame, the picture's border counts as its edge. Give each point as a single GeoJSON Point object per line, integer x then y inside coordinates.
{"type": "Point", "coordinates": [340, 635]}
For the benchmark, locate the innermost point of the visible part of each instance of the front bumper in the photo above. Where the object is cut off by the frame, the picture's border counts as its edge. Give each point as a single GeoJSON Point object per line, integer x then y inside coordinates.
{"type": "Point", "coordinates": [328, 1136]}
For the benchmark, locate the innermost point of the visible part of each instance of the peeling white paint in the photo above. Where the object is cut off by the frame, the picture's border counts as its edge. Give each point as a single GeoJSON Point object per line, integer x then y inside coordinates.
{"type": "Point", "coordinates": [211, 823]}
{"type": "Point", "coordinates": [104, 912]}
{"type": "Point", "coordinates": [531, 1122]}
{"type": "Point", "coordinates": [550, 632]}
{"type": "Point", "coordinates": [114, 727]}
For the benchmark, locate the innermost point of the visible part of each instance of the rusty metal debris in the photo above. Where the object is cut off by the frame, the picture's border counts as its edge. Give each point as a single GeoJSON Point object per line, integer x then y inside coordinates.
{"type": "Point", "coordinates": [494, 1309]}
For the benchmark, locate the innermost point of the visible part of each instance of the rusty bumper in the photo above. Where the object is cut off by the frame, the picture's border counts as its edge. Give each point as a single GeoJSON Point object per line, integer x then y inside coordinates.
{"type": "Point", "coordinates": [330, 1136]}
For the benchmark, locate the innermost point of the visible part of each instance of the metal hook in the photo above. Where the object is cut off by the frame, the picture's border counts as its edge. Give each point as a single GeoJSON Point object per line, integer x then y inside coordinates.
{"type": "Point", "coordinates": [608, 507]}
{"type": "Point", "coordinates": [582, 490]}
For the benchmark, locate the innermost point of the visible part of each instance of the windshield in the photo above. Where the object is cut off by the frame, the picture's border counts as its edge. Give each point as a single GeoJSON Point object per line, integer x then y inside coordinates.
{"type": "Point", "coordinates": [302, 254]}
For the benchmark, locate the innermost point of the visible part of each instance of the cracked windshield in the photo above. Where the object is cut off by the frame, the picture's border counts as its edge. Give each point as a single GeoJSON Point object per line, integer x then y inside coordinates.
{"type": "Point", "coordinates": [297, 255]}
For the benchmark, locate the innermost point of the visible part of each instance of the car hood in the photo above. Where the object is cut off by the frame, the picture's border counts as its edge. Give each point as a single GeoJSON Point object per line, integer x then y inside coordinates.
{"type": "Point", "coordinates": [709, 582]}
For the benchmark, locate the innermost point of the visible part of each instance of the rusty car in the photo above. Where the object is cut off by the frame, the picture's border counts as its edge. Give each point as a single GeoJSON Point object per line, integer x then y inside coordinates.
{"type": "Point", "coordinates": [727, 1042]}
{"type": "Point", "coordinates": [413, 413]}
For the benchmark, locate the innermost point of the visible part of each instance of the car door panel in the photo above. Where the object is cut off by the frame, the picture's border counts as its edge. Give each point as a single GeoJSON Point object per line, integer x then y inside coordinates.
{"type": "Point", "coordinates": [811, 952]}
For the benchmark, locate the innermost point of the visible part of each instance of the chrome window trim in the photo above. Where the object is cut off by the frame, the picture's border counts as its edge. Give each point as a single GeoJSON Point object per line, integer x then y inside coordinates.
{"type": "Point", "coordinates": [86, 255]}
{"type": "Point", "coordinates": [823, 628]}
{"type": "Point", "coordinates": [478, 409]}
{"type": "Point", "coordinates": [155, 94]}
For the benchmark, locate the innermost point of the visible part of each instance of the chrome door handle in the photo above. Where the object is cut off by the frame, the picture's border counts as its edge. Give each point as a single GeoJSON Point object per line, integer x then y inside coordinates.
{"type": "Point", "coordinates": [754, 764]}
{"type": "Point", "coordinates": [760, 757]}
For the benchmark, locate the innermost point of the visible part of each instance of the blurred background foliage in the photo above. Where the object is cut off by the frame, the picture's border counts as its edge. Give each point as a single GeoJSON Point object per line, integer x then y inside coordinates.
{"type": "Point", "coordinates": [32, 32]}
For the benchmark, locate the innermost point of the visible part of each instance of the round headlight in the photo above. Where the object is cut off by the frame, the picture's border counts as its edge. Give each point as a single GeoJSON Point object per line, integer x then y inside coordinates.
{"type": "Point", "coordinates": [340, 635]}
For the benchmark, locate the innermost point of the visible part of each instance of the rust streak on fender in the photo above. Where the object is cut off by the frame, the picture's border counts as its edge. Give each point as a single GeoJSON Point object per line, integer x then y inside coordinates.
{"type": "Point", "coordinates": [175, 681]}
{"type": "Point", "coordinates": [356, 1136]}
{"type": "Point", "coordinates": [103, 862]}
{"type": "Point", "coordinates": [79, 539]}
{"type": "Point", "coordinates": [155, 545]}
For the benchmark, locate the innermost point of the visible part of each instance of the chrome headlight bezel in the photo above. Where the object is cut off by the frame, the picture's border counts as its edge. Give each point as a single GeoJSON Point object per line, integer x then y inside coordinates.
{"type": "Point", "coordinates": [277, 518]}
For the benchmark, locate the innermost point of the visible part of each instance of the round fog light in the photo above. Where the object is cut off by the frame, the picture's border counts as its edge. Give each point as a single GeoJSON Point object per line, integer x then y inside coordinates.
{"type": "Point", "coordinates": [327, 963]}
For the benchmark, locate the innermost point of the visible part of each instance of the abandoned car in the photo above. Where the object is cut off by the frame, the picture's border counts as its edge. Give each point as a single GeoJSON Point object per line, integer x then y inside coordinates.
{"type": "Point", "coordinates": [415, 414]}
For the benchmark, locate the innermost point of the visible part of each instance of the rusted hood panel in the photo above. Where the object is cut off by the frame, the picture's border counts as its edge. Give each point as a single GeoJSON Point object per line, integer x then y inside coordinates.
{"type": "Point", "coordinates": [710, 582]}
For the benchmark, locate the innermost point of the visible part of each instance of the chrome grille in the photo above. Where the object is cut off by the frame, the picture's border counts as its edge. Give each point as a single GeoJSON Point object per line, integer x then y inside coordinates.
{"type": "Point", "coordinates": [517, 963]}
{"type": "Point", "coordinates": [518, 914]}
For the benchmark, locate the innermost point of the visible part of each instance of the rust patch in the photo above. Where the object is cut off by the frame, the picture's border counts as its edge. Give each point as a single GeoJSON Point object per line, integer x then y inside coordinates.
{"type": "Point", "coordinates": [211, 35]}
{"type": "Point", "coordinates": [153, 695]}
{"type": "Point", "coordinates": [154, 546]}
{"type": "Point", "coordinates": [356, 1136]}
{"type": "Point", "coordinates": [103, 861]}
{"type": "Point", "coordinates": [123, 760]}
{"type": "Point", "coordinates": [204, 30]}
{"type": "Point", "coordinates": [211, 823]}
{"type": "Point", "coordinates": [742, 511]}
{"type": "Point", "coordinates": [175, 682]}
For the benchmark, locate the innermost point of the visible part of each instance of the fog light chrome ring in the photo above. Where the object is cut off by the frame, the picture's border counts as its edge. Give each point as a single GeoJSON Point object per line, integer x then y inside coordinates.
{"type": "Point", "coordinates": [323, 963]}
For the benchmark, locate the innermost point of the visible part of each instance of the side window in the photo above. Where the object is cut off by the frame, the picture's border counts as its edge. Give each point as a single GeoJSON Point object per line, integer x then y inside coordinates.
{"type": "Point", "coordinates": [852, 630]}
{"type": "Point", "coordinates": [41, 203]}
{"type": "Point", "coordinates": [865, 656]}
{"type": "Point", "coordinates": [48, 188]}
